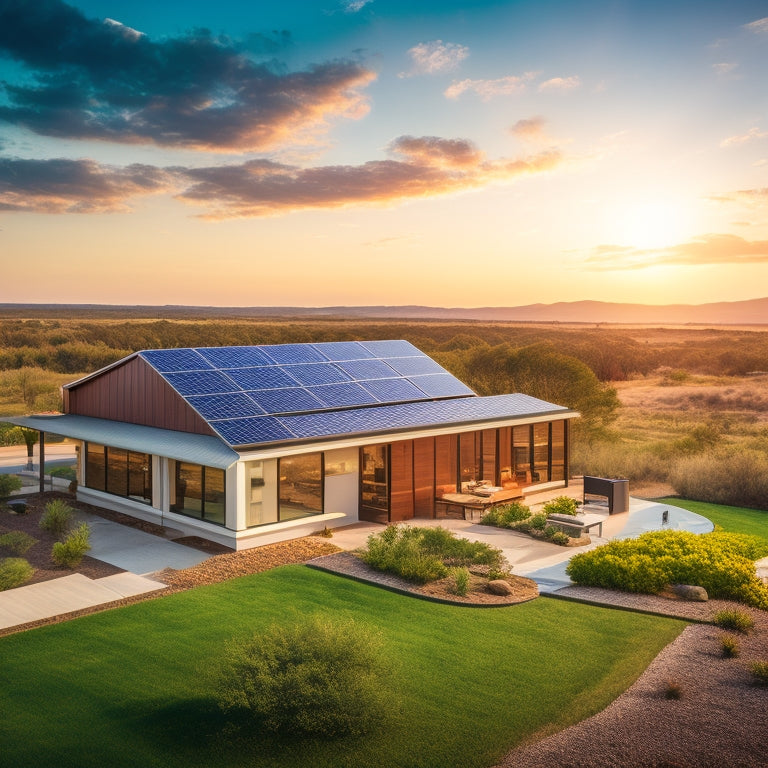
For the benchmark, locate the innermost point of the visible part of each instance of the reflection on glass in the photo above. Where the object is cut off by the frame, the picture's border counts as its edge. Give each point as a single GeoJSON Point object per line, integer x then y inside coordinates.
{"type": "Point", "coordinates": [300, 486]}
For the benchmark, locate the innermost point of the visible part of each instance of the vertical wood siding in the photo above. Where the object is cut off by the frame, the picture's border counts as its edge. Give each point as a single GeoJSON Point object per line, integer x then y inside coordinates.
{"type": "Point", "coordinates": [135, 393]}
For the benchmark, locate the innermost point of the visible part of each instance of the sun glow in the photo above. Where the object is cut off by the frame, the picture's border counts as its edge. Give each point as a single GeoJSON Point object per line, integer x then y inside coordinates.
{"type": "Point", "coordinates": [652, 224]}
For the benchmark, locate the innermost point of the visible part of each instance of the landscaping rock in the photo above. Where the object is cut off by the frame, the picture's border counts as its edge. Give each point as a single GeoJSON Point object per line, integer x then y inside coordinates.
{"type": "Point", "coordinates": [689, 592]}
{"type": "Point", "coordinates": [499, 587]}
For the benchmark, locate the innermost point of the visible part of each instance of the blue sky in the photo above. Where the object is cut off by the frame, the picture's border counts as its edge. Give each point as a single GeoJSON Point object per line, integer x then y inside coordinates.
{"type": "Point", "coordinates": [379, 152]}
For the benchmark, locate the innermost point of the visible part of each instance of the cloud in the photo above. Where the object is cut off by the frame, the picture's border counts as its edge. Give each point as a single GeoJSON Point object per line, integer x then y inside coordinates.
{"type": "Point", "coordinates": [487, 89]}
{"type": "Point", "coordinates": [561, 84]}
{"type": "Point", "coordinates": [353, 6]}
{"type": "Point", "coordinates": [759, 27]}
{"type": "Point", "coordinates": [418, 167]}
{"type": "Point", "coordinates": [87, 79]}
{"type": "Point", "coordinates": [75, 186]}
{"type": "Point", "coordinates": [531, 130]}
{"type": "Point", "coordinates": [702, 250]}
{"type": "Point", "coordinates": [752, 133]}
{"type": "Point", "coordinates": [725, 67]}
{"type": "Point", "coordinates": [436, 56]}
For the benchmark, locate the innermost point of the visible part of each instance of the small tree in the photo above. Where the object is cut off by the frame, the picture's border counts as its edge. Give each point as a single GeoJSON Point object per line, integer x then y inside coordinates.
{"type": "Point", "coordinates": [9, 484]}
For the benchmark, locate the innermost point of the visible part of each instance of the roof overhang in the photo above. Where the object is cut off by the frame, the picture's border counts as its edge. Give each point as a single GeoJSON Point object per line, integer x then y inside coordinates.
{"type": "Point", "coordinates": [182, 446]}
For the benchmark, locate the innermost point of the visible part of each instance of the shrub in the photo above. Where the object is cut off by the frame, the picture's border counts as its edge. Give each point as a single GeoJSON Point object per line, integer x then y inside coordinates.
{"type": "Point", "coordinates": [759, 670]}
{"type": "Point", "coordinates": [562, 505]}
{"type": "Point", "coordinates": [738, 621]}
{"type": "Point", "coordinates": [71, 551]}
{"type": "Point", "coordinates": [14, 571]}
{"type": "Point", "coordinates": [722, 563]}
{"type": "Point", "coordinates": [68, 473]}
{"type": "Point", "coordinates": [673, 690]}
{"type": "Point", "coordinates": [57, 517]}
{"type": "Point", "coordinates": [460, 581]}
{"type": "Point", "coordinates": [729, 646]}
{"type": "Point", "coordinates": [503, 515]}
{"type": "Point", "coordinates": [9, 484]}
{"type": "Point", "coordinates": [558, 537]}
{"type": "Point", "coordinates": [18, 542]}
{"type": "Point", "coordinates": [538, 522]}
{"type": "Point", "coordinates": [421, 554]}
{"type": "Point", "coordinates": [316, 678]}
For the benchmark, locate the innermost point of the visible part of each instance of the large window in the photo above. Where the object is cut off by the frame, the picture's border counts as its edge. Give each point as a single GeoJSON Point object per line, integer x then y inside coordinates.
{"type": "Point", "coordinates": [200, 492]}
{"type": "Point", "coordinates": [123, 473]}
{"type": "Point", "coordinates": [300, 486]}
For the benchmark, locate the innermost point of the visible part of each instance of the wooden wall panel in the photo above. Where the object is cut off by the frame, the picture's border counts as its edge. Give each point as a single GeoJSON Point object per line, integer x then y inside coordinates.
{"type": "Point", "coordinates": [135, 393]}
{"type": "Point", "coordinates": [424, 477]}
{"type": "Point", "coordinates": [446, 464]}
{"type": "Point", "coordinates": [401, 482]}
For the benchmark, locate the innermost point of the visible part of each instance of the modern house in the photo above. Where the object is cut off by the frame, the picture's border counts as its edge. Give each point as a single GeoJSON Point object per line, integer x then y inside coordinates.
{"type": "Point", "coordinates": [250, 445]}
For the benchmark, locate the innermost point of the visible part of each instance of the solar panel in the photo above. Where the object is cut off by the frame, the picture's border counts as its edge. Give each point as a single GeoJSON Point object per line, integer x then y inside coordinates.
{"type": "Point", "coordinates": [295, 353]}
{"type": "Point", "coordinates": [169, 360]}
{"type": "Point", "coordinates": [361, 370]}
{"type": "Point", "coordinates": [337, 351]}
{"type": "Point", "coordinates": [342, 395]}
{"type": "Point", "coordinates": [199, 382]}
{"type": "Point", "coordinates": [286, 400]}
{"type": "Point", "coordinates": [441, 385]}
{"type": "Point", "coordinates": [272, 377]}
{"type": "Point", "coordinates": [228, 406]}
{"type": "Point", "coordinates": [393, 390]}
{"type": "Point", "coordinates": [235, 357]}
{"type": "Point", "coordinates": [396, 348]}
{"type": "Point", "coordinates": [262, 429]}
{"type": "Point", "coordinates": [407, 366]}
{"type": "Point", "coordinates": [317, 373]}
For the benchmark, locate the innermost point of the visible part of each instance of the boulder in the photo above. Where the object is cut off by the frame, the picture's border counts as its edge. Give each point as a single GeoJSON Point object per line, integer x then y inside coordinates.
{"type": "Point", "coordinates": [689, 592]}
{"type": "Point", "coordinates": [499, 587]}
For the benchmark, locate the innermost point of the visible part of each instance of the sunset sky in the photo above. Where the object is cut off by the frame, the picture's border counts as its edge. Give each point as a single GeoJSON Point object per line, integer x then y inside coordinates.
{"type": "Point", "coordinates": [383, 152]}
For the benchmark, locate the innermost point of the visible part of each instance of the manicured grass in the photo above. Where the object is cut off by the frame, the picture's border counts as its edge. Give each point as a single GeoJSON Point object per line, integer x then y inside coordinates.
{"type": "Point", "coordinates": [732, 519]}
{"type": "Point", "coordinates": [132, 687]}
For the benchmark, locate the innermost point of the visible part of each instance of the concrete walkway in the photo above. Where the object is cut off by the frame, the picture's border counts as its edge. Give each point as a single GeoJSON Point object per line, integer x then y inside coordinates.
{"type": "Point", "coordinates": [139, 554]}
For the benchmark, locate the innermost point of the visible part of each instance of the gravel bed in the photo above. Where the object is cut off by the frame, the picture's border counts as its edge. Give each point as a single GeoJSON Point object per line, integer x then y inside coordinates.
{"type": "Point", "coordinates": [718, 722]}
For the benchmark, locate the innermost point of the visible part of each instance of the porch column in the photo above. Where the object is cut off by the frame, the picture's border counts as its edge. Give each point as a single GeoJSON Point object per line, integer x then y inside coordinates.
{"type": "Point", "coordinates": [42, 462]}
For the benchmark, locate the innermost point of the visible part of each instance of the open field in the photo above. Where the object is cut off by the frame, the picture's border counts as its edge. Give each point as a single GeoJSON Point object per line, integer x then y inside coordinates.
{"type": "Point", "coordinates": [75, 694]}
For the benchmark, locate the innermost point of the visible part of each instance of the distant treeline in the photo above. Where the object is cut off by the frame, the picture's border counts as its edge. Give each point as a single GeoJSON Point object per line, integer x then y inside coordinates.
{"type": "Point", "coordinates": [614, 354]}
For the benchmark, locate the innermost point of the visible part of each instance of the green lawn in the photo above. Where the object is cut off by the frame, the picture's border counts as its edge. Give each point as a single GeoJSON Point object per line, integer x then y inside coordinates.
{"type": "Point", "coordinates": [732, 519]}
{"type": "Point", "coordinates": [132, 687]}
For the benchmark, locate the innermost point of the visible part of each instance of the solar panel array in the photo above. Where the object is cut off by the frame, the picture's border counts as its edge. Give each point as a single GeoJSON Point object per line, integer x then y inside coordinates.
{"type": "Point", "coordinates": [258, 394]}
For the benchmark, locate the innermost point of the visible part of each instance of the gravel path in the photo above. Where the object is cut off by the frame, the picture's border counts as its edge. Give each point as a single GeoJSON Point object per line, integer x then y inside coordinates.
{"type": "Point", "coordinates": [720, 721]}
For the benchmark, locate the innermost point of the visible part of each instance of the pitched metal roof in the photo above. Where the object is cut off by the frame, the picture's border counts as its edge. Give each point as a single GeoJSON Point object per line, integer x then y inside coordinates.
{"type": "Point", "coordinates": [182, 446]}
{"type": "Point", "coordinates": [259, 395]}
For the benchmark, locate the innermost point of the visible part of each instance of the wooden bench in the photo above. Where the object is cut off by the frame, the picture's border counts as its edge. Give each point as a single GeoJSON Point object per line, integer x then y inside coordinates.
{"type": "Point", "coordinates": [575, 526]}
{"type": "Point", "coordinates": [461, 503]}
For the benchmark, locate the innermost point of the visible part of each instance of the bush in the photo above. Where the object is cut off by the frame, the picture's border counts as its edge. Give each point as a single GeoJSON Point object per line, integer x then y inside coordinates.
{"type": "Point", "coordinates": [9, 484]}
{"type": "Point", "coordinates": [421, 554]}
{"type": "Point", "coordinates": [759, 670]}
{"type": "Point", "coordinates": [729, 646]}
{"type": "Point", "coordinates": [460, 581]}
{"type": "Point", "coordinates": [57, 517]}
{"type": "Point", "coordinates": [538, 522]}
{"type": "Point", "coordinates": [14, 571]}
{"type": "Point", "coordinates": [316, 678]}
{"type": "Point", "coordinates": [558, 537]}
{"type": "Point", "coordinates": [562, 505]}
{"type": "Point", "coordinates": [503, 515]}
{"type": "Point", "coordinates": [738, 621]}
{"type": "Point", "coordinates": [18, 542]}
{"type": "Point", "coordinates": [722, 563]}
{"type": "Point", "coordinates": [71, 551]}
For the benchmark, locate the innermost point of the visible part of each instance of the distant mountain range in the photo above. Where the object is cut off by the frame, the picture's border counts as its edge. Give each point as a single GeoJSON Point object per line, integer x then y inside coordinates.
{"type": "Point", "coordinates": [751, 312]}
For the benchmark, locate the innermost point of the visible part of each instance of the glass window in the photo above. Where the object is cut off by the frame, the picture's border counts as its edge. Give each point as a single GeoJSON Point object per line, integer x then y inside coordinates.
{"type": "Point", "coordinates": [200, 492]}
{"type": "Point", "coordinates": [117, 471]}
{"type": "Point", "coordinates": [489, 456]}
{"type": "Point", "coordinates": [255, 513]}
{"type": "Point", "coordinates": [541, 453]}
{"type": "Point", "coordinates": [469, 457]}
{"type": "Point", "coordinates": [300, 486]}
{"type": "Point", "coordinates": [521, 453]}
{"type": "Point", "coordinates": [446, 458]}
{"type": "Point", "coordinates": [506, 474]}
{"type": "Point", "coordinates": [95, 466]}
{"type": "Point", "coordinates": [558, 450]}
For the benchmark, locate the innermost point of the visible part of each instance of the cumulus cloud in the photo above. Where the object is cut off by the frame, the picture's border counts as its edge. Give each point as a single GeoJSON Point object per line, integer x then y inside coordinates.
{"type": "Point", "coordinates": [353, 6]}
{"type": "Point", "coordinates": [74, 186]}
{"type": "Point", "coordinates": [530, 130]}
{"type": "Point", "coordinates": [760, 26]}
{"type": "Point", "coordinates": [752, 133]}
{"type": "Point", "coordinates": [725, 67]}
{"type": "Point", "coordinates": [487, 89]}
{"type": "Point", "coordinates": [702, 250]}
{"type": "Point", "coordinates": [435, 56]}
{"type": "Point", "coordinates": [560, 83]}
{"type": "Point", "coordinates": [418, 167]}
{"type": "Point", "coordinates": [88, 79]}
